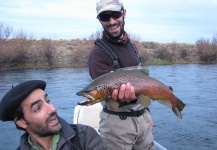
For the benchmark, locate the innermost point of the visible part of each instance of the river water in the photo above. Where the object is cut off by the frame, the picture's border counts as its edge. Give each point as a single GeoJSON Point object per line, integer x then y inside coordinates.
{"type": "Point", "coordinates": [194, 84]}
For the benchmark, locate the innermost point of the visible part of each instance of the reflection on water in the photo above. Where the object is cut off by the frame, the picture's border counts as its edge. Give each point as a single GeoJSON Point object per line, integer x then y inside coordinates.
{"type": "Point", "coordinates": [194, 84]}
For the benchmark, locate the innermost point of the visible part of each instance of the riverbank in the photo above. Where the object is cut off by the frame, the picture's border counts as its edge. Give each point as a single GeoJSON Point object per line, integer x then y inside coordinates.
{"type": "Point", "coordinates": [46, 53]}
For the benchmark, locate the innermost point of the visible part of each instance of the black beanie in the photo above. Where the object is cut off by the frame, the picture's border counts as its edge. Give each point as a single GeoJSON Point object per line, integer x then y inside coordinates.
{"type": "Point", "coordinates": [11, 101]}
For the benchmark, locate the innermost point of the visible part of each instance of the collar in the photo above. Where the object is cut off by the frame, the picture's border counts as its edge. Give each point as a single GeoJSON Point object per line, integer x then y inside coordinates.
{"type": "Point", "coordinates": [55, 140]}
{"type": "Point", "coordinates": [67, 132]}
{"type": "Point", "coordinates": [119, 41]}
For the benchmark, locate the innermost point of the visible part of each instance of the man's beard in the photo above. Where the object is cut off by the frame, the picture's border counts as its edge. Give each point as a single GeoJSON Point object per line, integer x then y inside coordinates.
{"type": "Point", "coordinates": [42, 130]}
{"type": "Point", "coordinates": [115, 37]}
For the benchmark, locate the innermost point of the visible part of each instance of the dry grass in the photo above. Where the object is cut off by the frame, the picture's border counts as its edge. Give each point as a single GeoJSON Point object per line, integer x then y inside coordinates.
{"type": "Point", "coordinates": [47, 53]}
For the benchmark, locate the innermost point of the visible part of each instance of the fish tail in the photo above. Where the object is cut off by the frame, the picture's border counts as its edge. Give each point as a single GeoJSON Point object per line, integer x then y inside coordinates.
{"type": "Point", "coordinates": [177, 112]}
{"type": "Point", "coordinates": [180, 105]}
{"type": "Point", "coordinates": [178, 108]}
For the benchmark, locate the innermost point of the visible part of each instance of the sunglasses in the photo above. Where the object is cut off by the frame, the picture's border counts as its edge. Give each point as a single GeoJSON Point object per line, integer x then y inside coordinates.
{"type": "Point", "coordinates": [106, 17]}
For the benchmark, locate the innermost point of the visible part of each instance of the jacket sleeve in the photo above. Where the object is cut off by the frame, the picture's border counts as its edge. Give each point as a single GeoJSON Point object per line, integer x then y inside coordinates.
{"type": "Point", "coordinates": [90, 139]}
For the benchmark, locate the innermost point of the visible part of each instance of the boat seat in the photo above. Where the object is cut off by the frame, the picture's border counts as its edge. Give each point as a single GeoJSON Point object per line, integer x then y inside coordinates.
{"type": "Point", "coordinates": [88, 115]}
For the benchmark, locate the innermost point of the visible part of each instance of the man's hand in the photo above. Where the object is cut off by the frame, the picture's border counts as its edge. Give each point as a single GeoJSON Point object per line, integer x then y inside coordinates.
{"type": "Point", "coordinates": [126, 93]}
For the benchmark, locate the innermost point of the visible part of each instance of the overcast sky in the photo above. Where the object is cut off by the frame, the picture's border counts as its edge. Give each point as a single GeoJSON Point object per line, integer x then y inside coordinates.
{"type": "Point", "coordinates": [183, 21]}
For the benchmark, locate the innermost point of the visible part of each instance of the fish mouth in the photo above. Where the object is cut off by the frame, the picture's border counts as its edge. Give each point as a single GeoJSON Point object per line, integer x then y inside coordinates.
{"type": "Point", "coordinates": [88, 101]}
{"type": "Point", "coordinates": [89, 98]}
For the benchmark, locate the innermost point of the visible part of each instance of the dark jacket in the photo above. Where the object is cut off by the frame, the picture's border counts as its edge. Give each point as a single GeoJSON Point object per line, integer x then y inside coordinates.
{"type": "Point", "coordinates": [89, 138]}
{"type": "Point", "coordinates": [100, 62]}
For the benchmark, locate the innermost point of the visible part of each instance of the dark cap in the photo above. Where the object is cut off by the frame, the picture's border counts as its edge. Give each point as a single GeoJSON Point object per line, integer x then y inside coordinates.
{"type": "Point", "coordinates": [11, 101]}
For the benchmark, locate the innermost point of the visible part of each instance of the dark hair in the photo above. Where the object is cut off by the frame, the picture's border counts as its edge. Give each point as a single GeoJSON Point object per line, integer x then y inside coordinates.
{"type": "Point", "coordinates": [122, 8]}
{"type": "Point", "coordinates": [18, 114]}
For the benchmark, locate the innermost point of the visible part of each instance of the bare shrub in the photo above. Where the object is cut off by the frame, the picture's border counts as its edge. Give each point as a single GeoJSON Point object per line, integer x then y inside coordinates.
{"type": "Point", "coordinates": [150, 45]}
{"type": "Point", "coordinates": [22, 46]}
{"type": "Point", "coordinates": [144, 55]}
{"type": "Point", "coordinates": [183, 54]}
{"type": "Point", "coordinates": [13, 55]}
{"type": "Point", "coordinates": [5, 33]}
{"type": "Point", "coordinates": [206, 50]}
{"type": "Point", "coordinates": [163, 53]}
{"type": "Point", "coordinates": [48, 50]}
{"type": "Point", "coordinates": [81, 52]}
{"type": "Point", "coordinates": [70, 47]}
{"type": "Point", "coordinates": [173, 50]}
{"type": "Point", "coordinates": [19, 58]}
{"type": "Point", "coordinates": [16, 50]}
{"type": "Point", "coordinates": [214, 43]}
{"type": "Point", "coordinates": [35, 56]}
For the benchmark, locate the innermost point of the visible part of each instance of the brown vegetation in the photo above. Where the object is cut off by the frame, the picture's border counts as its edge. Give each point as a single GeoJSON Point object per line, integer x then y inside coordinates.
{"type": "Point", "coordinates": [207, 50]}
{"type": "Point", "coordinates": [22, 52]}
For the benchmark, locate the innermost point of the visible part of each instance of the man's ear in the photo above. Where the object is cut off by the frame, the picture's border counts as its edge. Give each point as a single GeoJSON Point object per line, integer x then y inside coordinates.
{"type": "Point", "coordinates": [125, 12]}
{"type": "Point", "coordinates": [21, 123]}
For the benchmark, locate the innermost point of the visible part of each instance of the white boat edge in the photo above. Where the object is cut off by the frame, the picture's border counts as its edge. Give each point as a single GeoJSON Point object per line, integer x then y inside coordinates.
{"type": "Point", "coordinates": [89, 115]}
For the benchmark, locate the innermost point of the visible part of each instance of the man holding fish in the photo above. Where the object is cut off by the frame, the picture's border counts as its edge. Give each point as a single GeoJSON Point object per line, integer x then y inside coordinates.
{"type": "Point", "coordinates": [125, 124]}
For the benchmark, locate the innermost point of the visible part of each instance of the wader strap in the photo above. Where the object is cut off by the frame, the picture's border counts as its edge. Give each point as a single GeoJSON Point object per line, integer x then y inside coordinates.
{"type": "Point", "coordinates": [124, 115]}
{"type": "Point", "coordinates": [110, 52]}
{"type": "Point", "coordinates": [136, 51]}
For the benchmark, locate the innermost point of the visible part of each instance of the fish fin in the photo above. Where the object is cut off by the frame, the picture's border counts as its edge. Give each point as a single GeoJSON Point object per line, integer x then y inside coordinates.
{"type": "Point", "coordinates": [180, 105]}
{"type": "Point", "coordinates": [138, 67]}
{"type": "Point", "coordinates": [144, 100]}
{"type": "Point", "coordinates": [176, 109]}
{"type": "Point", "coordinates": [144, 71]}
{"type": "Point", "coordinates": [177, 112]}
{"type": "Point", "coordinates": [165, 102]}
{"type": "Point", "coordinates": [131, 67]}
{"type": "Point", "coordinates": [112, 104]}
{"type": "Point", "coordinates": [171, 88]}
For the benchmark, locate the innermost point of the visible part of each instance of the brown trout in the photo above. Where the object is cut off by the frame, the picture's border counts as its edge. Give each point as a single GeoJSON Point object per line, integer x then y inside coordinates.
{"type": "Point", "coordinates": [146, 89]}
